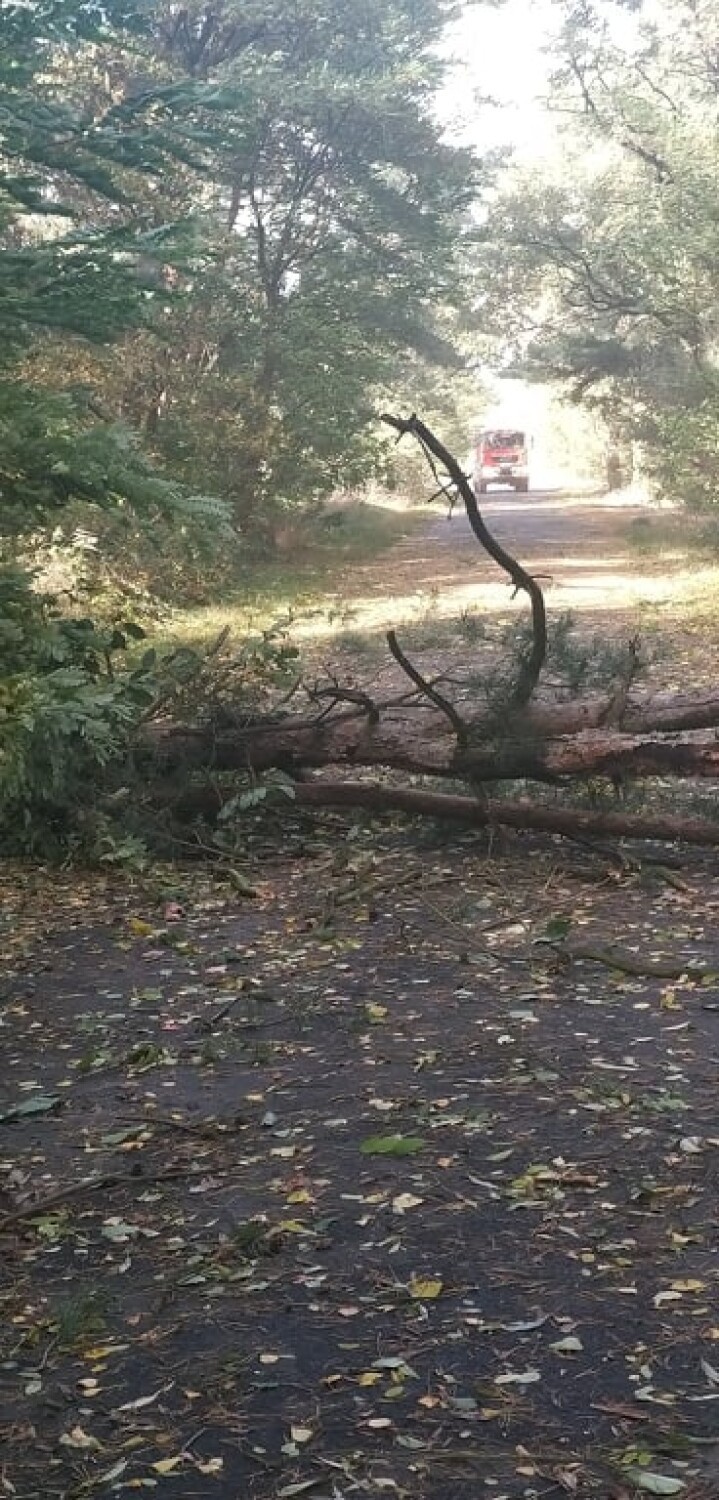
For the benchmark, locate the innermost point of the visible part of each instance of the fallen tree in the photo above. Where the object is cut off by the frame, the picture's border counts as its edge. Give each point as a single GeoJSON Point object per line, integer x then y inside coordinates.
{"type": "Point", "coordinates": [301, 746]}
{"type": "Point", "coordinates": [377, 800]}
{"type": "Point", "coordinates": [522, 735]}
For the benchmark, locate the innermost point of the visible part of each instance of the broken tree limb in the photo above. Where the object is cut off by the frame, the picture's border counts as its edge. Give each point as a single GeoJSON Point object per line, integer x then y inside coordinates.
{"type": "Point", "coordinates": [591, 754]}
{"type": "Point", "coordinates": [341, 734]}
{"type": "Point", "coordinates": [668, 712]}
{"type": "Point", "coordinates": [428, 689]}
{"type": "Point", "coordinates": [640, 713]}
{"type": "Point", "coordinates": [98, 1183]}
{"type": "Point", "coordinates": [531, 662]}
{"type": "Point", "coordinates": [521, 815]}
{"type": "Point", "coordinates": [618, 735]}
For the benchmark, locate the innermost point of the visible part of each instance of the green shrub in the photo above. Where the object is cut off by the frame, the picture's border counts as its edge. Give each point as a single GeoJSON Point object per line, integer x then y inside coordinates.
{"type": "Point", "coordinates": [70, 698]}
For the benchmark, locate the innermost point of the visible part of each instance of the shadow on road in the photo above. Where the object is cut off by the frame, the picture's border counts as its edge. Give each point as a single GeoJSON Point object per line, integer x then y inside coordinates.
{"type": "Point", "coordinates": [578, 544]}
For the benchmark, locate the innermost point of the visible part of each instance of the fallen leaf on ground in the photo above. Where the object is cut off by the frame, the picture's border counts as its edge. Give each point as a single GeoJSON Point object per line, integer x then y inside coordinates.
{"type": "Point", "coordinates": [391, 1145]}
{"type": "Point", "coordinates": [657, 1484]}
{"type": "Point", "coordinates": [425, 1291]}
{"type": "Point", "coordinates": [301, 1434]}
{"type": "Point", "coordinates": [78, 1438]}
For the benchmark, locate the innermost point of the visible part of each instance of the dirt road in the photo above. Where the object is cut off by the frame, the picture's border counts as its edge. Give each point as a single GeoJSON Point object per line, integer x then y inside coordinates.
{"type": "Point", "coordinates": [359, 1182]}
{"type": "Point", "coordinates": [549, 517]}
{"type": "Point", "coordinates": [546, 525]}
{"type": "Point", "coordinates": [357, 1179]}
{"type": "Point", "coordinates": [577, 544]}
{"type": "Point", "coordinates": [583, 548]}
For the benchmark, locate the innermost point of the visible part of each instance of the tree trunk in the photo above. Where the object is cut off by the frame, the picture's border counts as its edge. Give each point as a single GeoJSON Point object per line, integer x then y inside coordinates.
{"type": "Point", "coordinates": [207, 802]}
{"type": "Point", "coordinates": [300, 745]}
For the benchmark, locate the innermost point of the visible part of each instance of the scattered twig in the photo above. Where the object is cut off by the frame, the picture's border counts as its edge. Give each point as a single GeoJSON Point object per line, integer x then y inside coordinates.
{"type": "Point", "coordinates": [91, 1185]}
{"type": "Point", "coordinates": [624, 861]}
{"type": "Point", "coordinates": [208, 1023]}
{"type": "Point", "coordinates": [337, 694]}
{"type": "Point", "coordinates": [627, 962]}
{"type": "Point", "coordinates": [166, 1122]}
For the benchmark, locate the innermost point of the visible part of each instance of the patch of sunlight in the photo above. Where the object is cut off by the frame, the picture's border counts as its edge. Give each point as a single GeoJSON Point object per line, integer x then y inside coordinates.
{"type": "Point", "coordinates": [615, 590]}
{"type": "Point", "coordinates": [699, 591]}
{"type": "Point", "coordinates": [573, 583]}
{"type": "Point", "coordinates": [598, 591]}
{"type": "Point", "coordinates": [671, 555]}
{"type": "Point", "coordinates": [203, 624]}
{"type": "Point", "coordinates": [379, 613]}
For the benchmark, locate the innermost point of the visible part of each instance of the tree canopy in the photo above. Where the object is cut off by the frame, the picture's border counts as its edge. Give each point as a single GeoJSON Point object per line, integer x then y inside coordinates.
{"type": "Point", "coordinates": [225, 231]}
{"type": "Point", "coordinates": [605, 260]}
{"type": "Point", "coordinates": [334, 217]}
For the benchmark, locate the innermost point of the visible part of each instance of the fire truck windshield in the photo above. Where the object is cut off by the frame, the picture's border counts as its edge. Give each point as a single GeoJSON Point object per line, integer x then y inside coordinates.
{"type": "Point", "coordinates": [503, 439]}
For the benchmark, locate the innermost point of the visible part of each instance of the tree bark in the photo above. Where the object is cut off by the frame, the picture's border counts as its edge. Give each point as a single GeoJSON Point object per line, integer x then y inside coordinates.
{"type": "Point", "coordinates": [207, 801]}
{"type": "Point", "coordinates": [521, 815]}
{"type": "Point", "coordinates": [428, 750]}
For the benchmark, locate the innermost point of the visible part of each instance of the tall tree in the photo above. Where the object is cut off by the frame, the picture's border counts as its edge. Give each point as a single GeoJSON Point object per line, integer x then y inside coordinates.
{"type": "Point", "coordinates": [80, 262]}
{"type": "Point", "coordinates": [335, 217]}
{"type": "Point", "coordinates": [327, 220]}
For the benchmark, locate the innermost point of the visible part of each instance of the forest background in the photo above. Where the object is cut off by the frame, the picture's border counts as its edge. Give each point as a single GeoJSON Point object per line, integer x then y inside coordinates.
{"type": "Point", "coordinates": [232, 235]}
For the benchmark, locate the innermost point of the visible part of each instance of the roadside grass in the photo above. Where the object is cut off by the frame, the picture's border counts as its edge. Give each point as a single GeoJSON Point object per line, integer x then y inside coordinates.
{"type": "Point", "coordinates": [307, 575]}
{"type": "Point", "coordinates": [688, 547]}
{"type": "Point", "coordinates": [673, 534]}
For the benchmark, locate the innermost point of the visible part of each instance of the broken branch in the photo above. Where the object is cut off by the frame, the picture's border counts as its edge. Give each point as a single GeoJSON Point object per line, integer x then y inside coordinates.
{"type": "Point", "coordinates": [425, 687]}
{"type": "Point", "coordinates": [532, 662]}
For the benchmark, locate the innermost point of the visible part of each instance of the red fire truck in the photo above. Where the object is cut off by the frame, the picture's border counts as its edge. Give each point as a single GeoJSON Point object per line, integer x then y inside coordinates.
{"type": "Point", "coordinates": [502, 457]}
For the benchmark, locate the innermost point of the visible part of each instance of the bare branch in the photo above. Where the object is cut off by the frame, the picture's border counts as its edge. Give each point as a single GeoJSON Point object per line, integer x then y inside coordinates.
{"type": "Point", "coordinates": [532, 662]}
{"type": "Point", "coordinates": [338, 694]}
{"type": "Point", "coordinates": [570, 822]}
{"type": "Point", "coordinates": [440, 702]}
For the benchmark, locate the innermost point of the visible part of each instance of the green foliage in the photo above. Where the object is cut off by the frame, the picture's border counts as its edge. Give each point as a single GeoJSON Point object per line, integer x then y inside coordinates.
{"type": "Point", "coordinates": [391, 1145]}
{"type": "Point", "coordinates": [52, 453]}
{"type": "Point", "coordinates": [70, 695]}
{"type": "Point", "coordinates": [255, 794]}
{"type": "Point", "coordinates": [682, 453]}
{"type": "Point", "coordinates": [74, 1320]}
{"type": "Point", "coordinates": [221, 243]}
{"type": "Point", "coordinates": [586, 663]}
{"type": "Point", "coordinates": [580, 663]}
{"type": "Point", "coordinates": [66, 712]}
